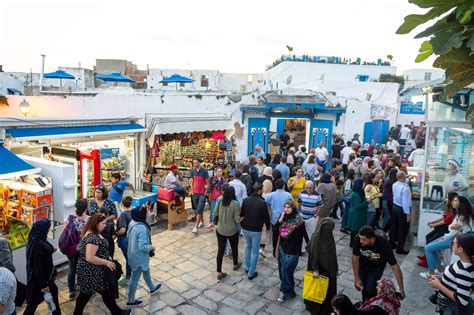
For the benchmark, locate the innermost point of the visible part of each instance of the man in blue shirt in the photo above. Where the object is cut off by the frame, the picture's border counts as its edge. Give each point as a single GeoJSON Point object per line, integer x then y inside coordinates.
{"type": "Point", "coordinates": [276, 201]}
{"type": "Point", "coordinates": [284, 170]}
{"type": "Point", "coordinates": [401, 214]}
{"type": "Point", "coordinates": [117, 189]}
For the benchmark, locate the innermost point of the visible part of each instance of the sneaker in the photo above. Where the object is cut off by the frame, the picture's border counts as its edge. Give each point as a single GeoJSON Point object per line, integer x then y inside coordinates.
{"type": "Point", "coordinates": [200, 225]}
{"type": "Point", "coordinates": [136, 303]}
{"type": "Point", "coordinates": [260, 251]}
{"type": "Point", "coordinates": [281, 297]}
{"type": "Point", "coordinates": [124, 281]}
{"type": "Point", "coordinates": [425, 274]}
{"type": "Point", "coordinates": [236, 267]}
{"type": "Point", "coordinates": [194, 230]}
{"type": "Point", "coordinates": [156, 288]}
{"type": "Point", "coordinates": [255, 274]}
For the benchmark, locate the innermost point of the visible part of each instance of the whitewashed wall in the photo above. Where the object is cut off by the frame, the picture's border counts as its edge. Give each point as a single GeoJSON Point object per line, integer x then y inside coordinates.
{"type": "Point", "coordinates": [305, 72]}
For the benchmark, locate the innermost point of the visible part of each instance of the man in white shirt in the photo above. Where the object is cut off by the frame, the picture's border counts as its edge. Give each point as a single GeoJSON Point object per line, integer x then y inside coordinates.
{"type": "Point", "coordinates": [345, 153]}
{"type": "Point", "coordinates": [404, 134]}
{"type": "Point", "coordinates": [417, 157]}
{"type": "Point", "coordinates": [321, 155]}
{"type": "Point", "coordinates": [392, 144]}
{"type": "Point", "coordinates": [174, 181]}
{"type": "Point", "coordinates": [239, 187]}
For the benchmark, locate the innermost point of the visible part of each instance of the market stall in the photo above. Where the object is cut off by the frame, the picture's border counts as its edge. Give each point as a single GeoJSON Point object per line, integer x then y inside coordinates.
{"type": "Point", "coordinates": [181, 148]}
{"type": "Point", "coordinates": [26, 196]}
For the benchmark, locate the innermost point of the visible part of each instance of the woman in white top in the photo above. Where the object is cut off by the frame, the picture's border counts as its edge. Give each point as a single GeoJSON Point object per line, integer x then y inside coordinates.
{"type": "Point", "coordinates": [462, 223]}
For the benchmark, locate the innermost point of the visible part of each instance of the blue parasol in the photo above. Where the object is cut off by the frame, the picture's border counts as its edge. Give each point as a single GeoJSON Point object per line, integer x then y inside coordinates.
{"type": "Point", "coordinates": [176, 78]}
{"type": "Point", "coordinates": [59, 74]}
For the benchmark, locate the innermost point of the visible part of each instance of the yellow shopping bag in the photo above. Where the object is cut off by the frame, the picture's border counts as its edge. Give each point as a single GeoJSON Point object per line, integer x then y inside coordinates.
{"type": "Point", "coordinates": [315, 289]}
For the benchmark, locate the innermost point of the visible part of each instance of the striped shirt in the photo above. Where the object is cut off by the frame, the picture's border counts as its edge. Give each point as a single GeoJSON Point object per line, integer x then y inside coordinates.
{"type": "Point", "coordinates": [459, 278]}
{"type": "Point", "coordinates": [7, 290]}
{"type": "Point", "coordinates": [309, 203]}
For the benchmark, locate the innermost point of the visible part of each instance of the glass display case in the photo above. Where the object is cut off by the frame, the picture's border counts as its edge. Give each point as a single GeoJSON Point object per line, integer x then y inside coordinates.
{"type": "Point", "coordinates": [449, 167]}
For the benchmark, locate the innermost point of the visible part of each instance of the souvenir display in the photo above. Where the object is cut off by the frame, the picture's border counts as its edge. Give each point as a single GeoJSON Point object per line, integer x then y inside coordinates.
{"type": "Point", "coordinates": [22, 204]}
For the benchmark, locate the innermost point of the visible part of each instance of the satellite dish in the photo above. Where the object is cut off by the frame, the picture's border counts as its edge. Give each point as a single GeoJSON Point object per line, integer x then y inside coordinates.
{"type": "Point", "coordinates": [289, 79]}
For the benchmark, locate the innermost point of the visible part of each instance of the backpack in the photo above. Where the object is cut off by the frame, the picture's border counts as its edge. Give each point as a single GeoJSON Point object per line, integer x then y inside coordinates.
{"type": "Point", "coordinates": [69, 238]}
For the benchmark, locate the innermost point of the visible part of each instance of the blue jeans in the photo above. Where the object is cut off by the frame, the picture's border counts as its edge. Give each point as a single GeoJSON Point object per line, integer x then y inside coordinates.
{"type": "Point", "coordinates": [213, 203]}
{"type": "Point", "coordinates": [251, 250]}
{"type": "Point", "coordinates": [134, 282]}
{"type": "Point", "coordinates": [200, 202]}
{"type": "Point", "coordinates": [432, 249]}
{"type": "Point", "coordinates": [286, 269]}
{"type": "Point", "coordinates": [71, 275]}
{"type": "Point", "coordinates": [122, 242]}
{"type": "Point", "coordinates": [345, 216]}
{"type": "Point", "coordinates": [180, 191]}
{"type": "Point", "coordinates": [369, 278]}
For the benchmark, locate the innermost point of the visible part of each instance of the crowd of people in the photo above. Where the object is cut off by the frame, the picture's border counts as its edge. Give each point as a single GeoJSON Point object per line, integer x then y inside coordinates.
{"type": "Point", "coordinates": [285, 206]}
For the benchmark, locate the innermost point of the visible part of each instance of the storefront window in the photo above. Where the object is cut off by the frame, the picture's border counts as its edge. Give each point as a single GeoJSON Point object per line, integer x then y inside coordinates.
{"type": "Point", "coordinates": [449, 163]}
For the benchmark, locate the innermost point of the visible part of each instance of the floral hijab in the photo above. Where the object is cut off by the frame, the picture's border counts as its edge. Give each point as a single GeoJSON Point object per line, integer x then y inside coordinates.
{"type": "Point", "coordinates": [291, 221]}
{"type": "Point", "coordinates": [386, 299]}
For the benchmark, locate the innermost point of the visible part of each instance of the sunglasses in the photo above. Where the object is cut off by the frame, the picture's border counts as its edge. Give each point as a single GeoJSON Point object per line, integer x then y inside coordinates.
{"type": "Point", "coordinates": [101, 187]}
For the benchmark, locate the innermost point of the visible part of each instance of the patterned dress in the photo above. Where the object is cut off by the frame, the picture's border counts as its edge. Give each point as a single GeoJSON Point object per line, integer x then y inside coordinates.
{"type": "Point", "coordinates": [91, 277]}
{"type": "Point", "coordinates": [108, 204]}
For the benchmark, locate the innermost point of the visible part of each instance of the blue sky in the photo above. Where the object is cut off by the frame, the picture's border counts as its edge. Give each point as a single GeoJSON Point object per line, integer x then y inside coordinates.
{"type": "Point", "coordinates": [231, 36]}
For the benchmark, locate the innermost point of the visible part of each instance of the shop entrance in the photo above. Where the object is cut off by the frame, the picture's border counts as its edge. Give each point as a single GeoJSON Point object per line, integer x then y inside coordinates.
{"type": "Point", "coordinates": [298, 130]}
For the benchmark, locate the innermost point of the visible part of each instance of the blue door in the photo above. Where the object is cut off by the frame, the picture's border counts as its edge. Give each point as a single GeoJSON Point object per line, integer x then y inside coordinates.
{"type": "Point", "coordinates": [380, 131]}
{"type": "Point", "coordinates": [320, 130]}
{"type": "Point", "coordinates": [258, 133]}
{"type": "Point", "coordinates": [368, 132]}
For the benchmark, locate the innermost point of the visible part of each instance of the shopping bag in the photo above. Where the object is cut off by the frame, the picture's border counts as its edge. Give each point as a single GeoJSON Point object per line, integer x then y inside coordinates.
{"type": "Point", "coordinates": [315, 289]}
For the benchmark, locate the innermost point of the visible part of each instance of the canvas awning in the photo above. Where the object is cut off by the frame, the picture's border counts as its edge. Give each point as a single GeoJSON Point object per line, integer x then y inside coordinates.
{"type": "Point", "coordinates": [54, 133]}
{"type": "Point", "coordinates": [13, 166]}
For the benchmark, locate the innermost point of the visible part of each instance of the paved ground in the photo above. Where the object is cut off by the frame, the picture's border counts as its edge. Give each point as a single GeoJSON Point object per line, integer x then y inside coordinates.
{"type": "Point", "coordinates": [185, 264]}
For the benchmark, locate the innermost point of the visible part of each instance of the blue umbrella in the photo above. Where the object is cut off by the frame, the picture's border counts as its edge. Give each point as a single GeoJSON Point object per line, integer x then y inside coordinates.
{"type": "Point", "coordinates": [59, 74]}
{"type": "Point", "coordinates": [114, 77]}
{"type": "Point", "coordinates": [176, 78]}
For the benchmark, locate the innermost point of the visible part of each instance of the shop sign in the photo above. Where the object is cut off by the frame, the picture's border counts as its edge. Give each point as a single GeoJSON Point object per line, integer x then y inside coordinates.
{"type": "Point", "coordinates": [412, 108]}
{"type": "Point", "coordinates": [108, 153]}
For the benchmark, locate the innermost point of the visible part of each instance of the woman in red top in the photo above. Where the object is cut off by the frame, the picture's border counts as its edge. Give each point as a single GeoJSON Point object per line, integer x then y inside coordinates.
{"type": "Point", "coordinates": [440, 226]}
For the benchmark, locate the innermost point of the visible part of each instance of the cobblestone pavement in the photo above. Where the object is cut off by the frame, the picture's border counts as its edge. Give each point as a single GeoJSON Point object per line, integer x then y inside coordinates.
{"type": "Point", "coordinates": [185, 264]}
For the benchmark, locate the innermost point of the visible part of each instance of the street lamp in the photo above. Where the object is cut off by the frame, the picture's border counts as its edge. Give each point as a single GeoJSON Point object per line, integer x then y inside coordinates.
{"type": "Point", "coordinates": [24, 107]}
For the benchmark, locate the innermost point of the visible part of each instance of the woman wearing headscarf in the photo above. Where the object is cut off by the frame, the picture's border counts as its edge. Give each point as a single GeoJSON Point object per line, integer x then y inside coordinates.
{"type": "Point", "coordinates": [322, 260]}
{"type": "Point", "coordinates": [290, 239]}
{"type": "Point", "coordinates": [328, 190]}
{"type": "Point", "coordinates": [386, 301]}
{"type": "Point", "coordinates": [365, 164]}
{"type": "Point", "coordinates": [139, 251]}
{"type": "Point", "coordinates": [40, 271]}
{"type": "Point", "coordinates": [358, 210]}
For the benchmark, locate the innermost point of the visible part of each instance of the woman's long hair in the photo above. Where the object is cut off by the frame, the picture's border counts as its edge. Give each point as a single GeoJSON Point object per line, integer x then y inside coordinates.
{"type": "Point", "coordinates": [311, 159]}
{"type": "Point", "coordinates": [276, 159]}
{"type": "Point", "coordinates": [466, 242]}
{"type": "Point", "coordinates": [343, 304]}
{"type": "Point", "coordinates": [392, 176]}
{"type": "Point", "coordinates": [92, 224]}
{"type": "Point", "coordinates": [449, 203]}
{"type": "Point", "coordinates": [228, 196]}
{"type": "Point", "coordinates": [465, 210]}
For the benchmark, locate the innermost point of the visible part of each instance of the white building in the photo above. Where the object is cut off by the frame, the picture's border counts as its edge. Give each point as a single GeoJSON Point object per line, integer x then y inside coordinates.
{"type": "Point", "coordinates": [353, 86]}
{"type": "Point", "coordinates": [416, 76]}
{"type": "Point", "coordinates": [204, 80]}
{"type": "Point", "coordinates": [295, 74]}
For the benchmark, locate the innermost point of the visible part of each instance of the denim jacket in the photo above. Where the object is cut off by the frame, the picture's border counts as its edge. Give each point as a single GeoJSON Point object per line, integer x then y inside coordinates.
{"type": "Point", "coordinates": [139, 246]}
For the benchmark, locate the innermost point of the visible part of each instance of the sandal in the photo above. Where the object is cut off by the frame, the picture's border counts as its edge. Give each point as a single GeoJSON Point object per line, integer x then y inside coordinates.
{"type": "Point", "coordinates": [236, 267]}
{"type": "Point", "coordinates": [221, 276]}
